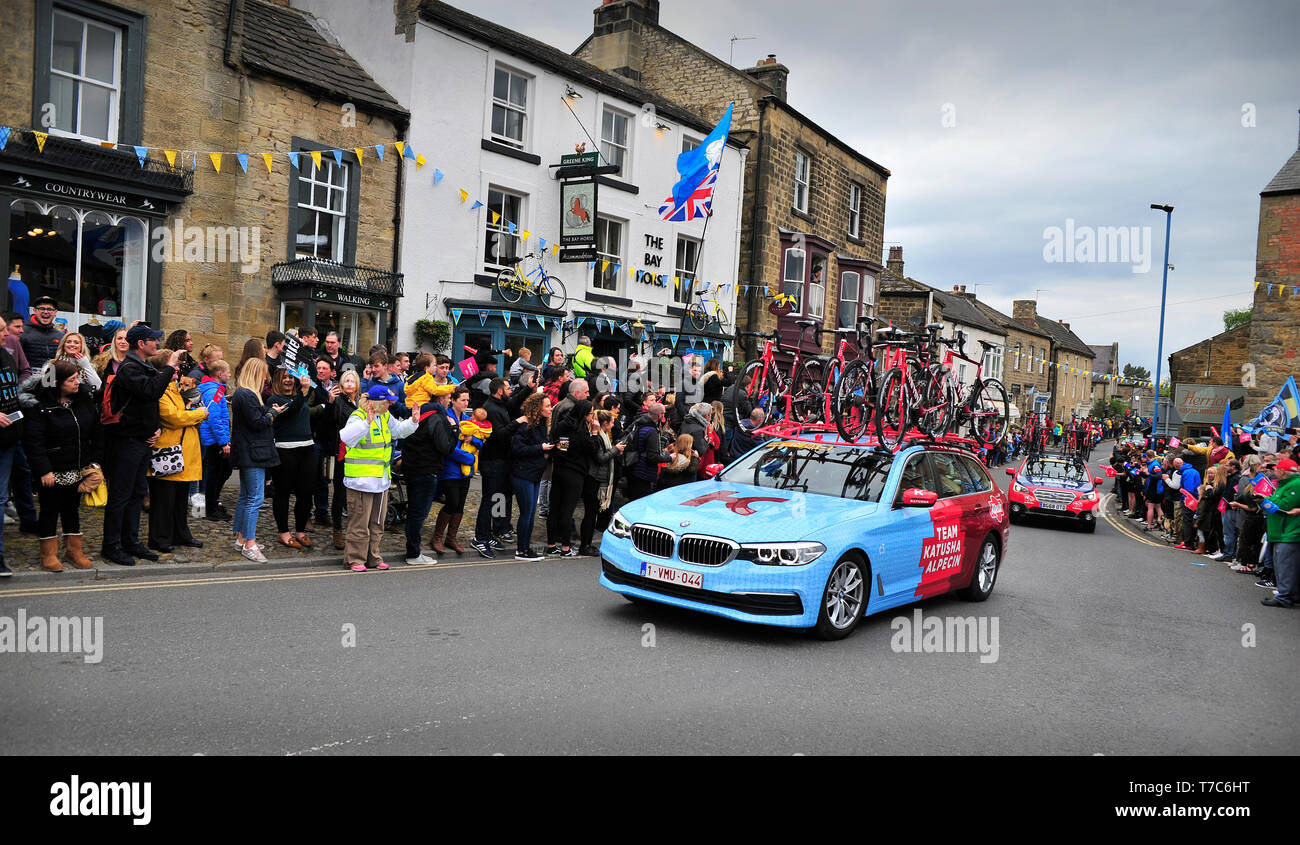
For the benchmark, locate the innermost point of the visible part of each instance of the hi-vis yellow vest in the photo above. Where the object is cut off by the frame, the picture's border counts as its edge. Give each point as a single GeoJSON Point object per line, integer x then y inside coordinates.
{"type": "Point", "coordinates": [373, 454]}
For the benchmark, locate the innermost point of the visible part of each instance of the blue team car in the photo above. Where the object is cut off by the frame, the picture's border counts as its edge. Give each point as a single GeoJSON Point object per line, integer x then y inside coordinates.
{"type": "Point", "coordinates": [813, 533]}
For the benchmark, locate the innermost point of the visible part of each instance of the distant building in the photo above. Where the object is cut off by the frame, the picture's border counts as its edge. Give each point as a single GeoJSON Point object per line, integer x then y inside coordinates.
{"type": "Point", "coordinates": [1066, 363]}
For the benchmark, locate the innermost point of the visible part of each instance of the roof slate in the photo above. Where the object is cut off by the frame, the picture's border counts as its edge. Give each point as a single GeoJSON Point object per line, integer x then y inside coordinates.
{"type": "Point", "coordinates": [1287, 179]}
{"type": "Point", "coordinates": [287, 43]}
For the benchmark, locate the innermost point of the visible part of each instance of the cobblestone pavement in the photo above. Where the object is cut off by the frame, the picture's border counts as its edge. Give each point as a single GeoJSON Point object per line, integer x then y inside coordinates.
{"type": "Point", "coordinates": [21, 551]}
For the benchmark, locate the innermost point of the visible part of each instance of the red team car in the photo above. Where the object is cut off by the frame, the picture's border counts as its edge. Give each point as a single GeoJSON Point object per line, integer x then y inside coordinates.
{"type": "Point", "coordinates": [1051, 485]}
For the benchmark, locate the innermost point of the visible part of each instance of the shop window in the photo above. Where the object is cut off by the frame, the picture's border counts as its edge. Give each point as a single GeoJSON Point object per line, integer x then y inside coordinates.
{"type": "Point", "coordinates": [358, 328]}
{"type": "Point", "coordinates": [90, 262]}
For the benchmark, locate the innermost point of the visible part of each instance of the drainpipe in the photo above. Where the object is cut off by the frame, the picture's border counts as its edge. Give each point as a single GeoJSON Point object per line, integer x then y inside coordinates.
{"type": "Point", "coordinates": [759, 234]}
{"type": "Point", "coordinates": [397, 225]}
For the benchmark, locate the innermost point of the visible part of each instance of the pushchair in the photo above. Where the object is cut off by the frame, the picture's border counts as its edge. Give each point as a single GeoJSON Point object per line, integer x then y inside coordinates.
{"type": "Point", "coordinates": [395, 515]}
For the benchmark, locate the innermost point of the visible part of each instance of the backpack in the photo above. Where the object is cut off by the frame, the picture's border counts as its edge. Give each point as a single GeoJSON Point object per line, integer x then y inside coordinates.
{"type": "Point", "coordinates": [107, 416]}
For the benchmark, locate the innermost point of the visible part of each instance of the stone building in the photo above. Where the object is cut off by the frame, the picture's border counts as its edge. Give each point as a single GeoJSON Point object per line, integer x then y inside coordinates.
{"type": "Point", "coordinates": [124, 214]}
{"type": "Point", "coordinates": [1026, 380]}
{"type": "Point", "coordinates": [1066, 364]}
{"type": "Point", "coordinates": [1216, 360]}
{"type": "Point", "coordinates": [505, 109]}
{"type": "Point", "coordinates": [814, 207]}
{"type": "Point", "coordinates": [1107, 381]}
{"type": "Point", "coordinates": [1275, 317]}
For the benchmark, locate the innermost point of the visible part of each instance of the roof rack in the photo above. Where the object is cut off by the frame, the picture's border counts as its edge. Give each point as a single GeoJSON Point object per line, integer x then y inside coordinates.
{"type": "Point", "coordinates": [824, 433]}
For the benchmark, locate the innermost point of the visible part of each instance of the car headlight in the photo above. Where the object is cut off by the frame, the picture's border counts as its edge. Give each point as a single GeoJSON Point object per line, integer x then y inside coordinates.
{"type": "Point", "coordinates": [620, 527]}
{"type": "Point", "coordinates": [1016, 488]}
{"type": "Point", "coordinates": [780, 554]}
{"type": "Point", "coordinates": [1090, 497]}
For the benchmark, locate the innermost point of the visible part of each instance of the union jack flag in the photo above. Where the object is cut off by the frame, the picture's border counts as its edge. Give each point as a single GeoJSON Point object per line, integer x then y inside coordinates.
{"type": "Point", "coordinates": [697, 204]}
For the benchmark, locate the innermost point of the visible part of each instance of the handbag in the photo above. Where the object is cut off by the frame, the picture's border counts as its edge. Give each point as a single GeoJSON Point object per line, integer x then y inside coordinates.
{"type": "Point", "coordinates": [96, 498]}
{"type": "Point", "coordinates": [169, 460]}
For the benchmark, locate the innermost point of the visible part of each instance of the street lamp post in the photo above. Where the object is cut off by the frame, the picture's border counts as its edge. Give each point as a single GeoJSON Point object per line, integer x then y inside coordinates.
{"type": "Point", "coordinates": [1160, 343]}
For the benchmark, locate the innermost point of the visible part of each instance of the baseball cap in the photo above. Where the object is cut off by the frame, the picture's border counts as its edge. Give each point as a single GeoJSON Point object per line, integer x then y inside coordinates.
{"type": "Point", "coordinates": [378, 392]}
{"type": "Point", "coordinates": [1288, 464]}
{"type": "Point", "coordinates": [45, 300]}
{"type": "Point", "coordinates": [138, 333]}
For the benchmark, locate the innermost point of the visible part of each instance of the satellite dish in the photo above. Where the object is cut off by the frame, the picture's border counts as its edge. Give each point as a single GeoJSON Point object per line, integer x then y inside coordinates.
{"type": "Point", "coordinates": [914, 321]}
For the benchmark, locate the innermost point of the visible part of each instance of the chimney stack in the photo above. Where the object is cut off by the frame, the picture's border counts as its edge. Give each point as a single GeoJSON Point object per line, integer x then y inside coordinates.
{"type": "Point", "coordinates": [1026, 311]}
{"type": "Point", "coordinates": [771, 73]}
{"type": "Point", "coordinates": [895, 262]}
{"type": "Point", "coordinates": [616, 43]}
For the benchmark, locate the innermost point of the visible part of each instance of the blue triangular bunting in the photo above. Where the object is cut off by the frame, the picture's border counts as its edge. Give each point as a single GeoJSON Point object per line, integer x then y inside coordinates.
{"type": "Point", "coordinates": [4, 136]}
{"type": "Point", "coordinates": [408, 152]}
{"type": "Point", "coordinates": [338, 157]}
{"type": "Point", "coordinates": [437, 175]}
{"type": "Point", "coordinates": [293, 159]}
{"type": "Point", "coordinates": [476, 204]}
{"type": "Point", "coordinates": [379, 151]}
{"type": "Point", "coordinates": [242, 158]}
{"type": "Point", "coordinates": [482, 316]}
{"type": "Point", "coordinates": [140, 153]}
{"type": "Point", "coordinates": [506, 315]}
{"type": "Point", "coordinates": [673, 338]}
{"type": "Point", "coordinates": [455, 315]}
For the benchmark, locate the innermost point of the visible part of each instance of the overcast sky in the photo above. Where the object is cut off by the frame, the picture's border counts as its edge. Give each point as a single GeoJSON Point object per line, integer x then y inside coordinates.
{"type": "Point", "coordinates": [1082, 111]}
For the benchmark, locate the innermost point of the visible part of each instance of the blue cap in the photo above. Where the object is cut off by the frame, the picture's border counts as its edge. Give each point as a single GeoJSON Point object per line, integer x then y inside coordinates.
{"type": "Point", "coordinates": [378, 392]}
{"type": "Point", "coordinates": [138, 333]}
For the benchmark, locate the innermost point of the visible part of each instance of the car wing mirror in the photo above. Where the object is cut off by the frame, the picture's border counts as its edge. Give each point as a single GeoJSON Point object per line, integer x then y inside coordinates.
{"type": "Point", "coordinates": [1011, 472]}
{"type": "Point", "coordinates": [712, 470]}
{"type": "Point", "coordinates": [918, 497]}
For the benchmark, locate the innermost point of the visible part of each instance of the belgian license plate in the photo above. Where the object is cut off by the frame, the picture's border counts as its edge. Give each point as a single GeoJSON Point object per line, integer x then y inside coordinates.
{"type": "Point", "coordinates": [672, 576]}
{"type": "Point", "coordinates": [1053, 506]}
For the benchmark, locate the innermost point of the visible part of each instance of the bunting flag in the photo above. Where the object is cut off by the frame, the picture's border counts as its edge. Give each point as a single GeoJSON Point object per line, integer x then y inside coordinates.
{"type": "Point", "coordinates": [455, 315]}
{"type": "Point", "coordinates": [604, 266]}
{"type": "Point", "coordinates": [40, 140]}
{"type": "Point", "coordinates": [379, 151]}
{"type": "Point", "coordinates": [266, 159]}
{"type": "Point", "coordinates": [673, 338]}
{"type": "Point", "coordinates": [409, 152]}
{"type": "Point", "coordinates": [523, 318]}
{"type": "Point", "coordinates": [315, 158]}
{"type": "Point", "coordinates": [482, 316]}
{"type": "Point", "coordinates": [496, 218]}
{"type": "Point", "coordinates": [464, 196]}
{"type": "Point", "coordinates": [541, 242]}
{"type": "Point", "coordinates": [555, 248]}
{"type": "Point", "coordinates": [401, 147]}
{"type": "Point", "coordinates": [420, 161]}
{"type": "Point", "coordinates": [526, 235]}
{"type": "Point", "coordinates": [216, 161]}
{"type": "Point", "coordinates": [4, 136]}
{"type": "Point", "coordinates": [626, 327]}
{"type": "Point", "coordinates": [140, 153]}
{"type": "Point", "coordinates": [242, 158]}
{"type": "Point", "coordinates": [358, 151]}
{"type": "Point", "coordinates": [293, 159]}
{"type": "Point", "coordinates": [477, 205]}
{"type": "Point", "coordinates": [512, 228]}
{"type": "Point", "coordinates": [437, 175]}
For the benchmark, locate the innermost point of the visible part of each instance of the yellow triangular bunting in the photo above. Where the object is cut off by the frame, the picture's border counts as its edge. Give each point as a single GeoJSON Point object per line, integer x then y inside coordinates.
{"type": "Point", "coordinates": [464, 196]}
{"type": "Point", "coordinates": [315, 157]}
{"type": "Point", "coordinates": [358, 151]}
{"type": "Point", "coordinates": [266, 159]}
{"type": "Point", "coordinates": [496, 218]}
{"type": "Point", "coordinates": [40, 140]}
{"type": "Point", "coordinates": [419, 161]}
{"type": "Point", "coordinates": [216, 161]}
{"type": "Point", "coordinates": [401, 148]}
{"type": "Point", "coordinates": [171, 157]}
{"type": "Point", "coordinates": [527, 235]}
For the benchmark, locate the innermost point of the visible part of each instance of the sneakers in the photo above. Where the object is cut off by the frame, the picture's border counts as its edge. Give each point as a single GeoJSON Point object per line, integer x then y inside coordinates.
{"type": "Point", "coordinates": [240, 546]}
{"type": "Point", "coordinates": [1241, 567]}
{"type": "Point", "coordinates": [553, 550]}
{"type": "Point", "coordinates": [572, 552]}
{"type": "Point", "coordinates": [496, 545]}
{"type": "Point", "coordinates": [507, 536]}
{"type": "Point", "coordinates": [589, 551]}
{"type": "Point", "coordinates": [254, 554]}
{"type": "Point", "coordinates": [358, 567]}
{"type": "Point", "coordinates": [482, 548]}
{"type": "Point", "coordinates": [1273, 601]}
{"type": "Point", "coordinates": [381, 565]}
{"type": "Point", "coordinates": [529, 554]}
{"type": "Point", "coordinates": [1219, 556]}
{"type": "Point", "coordinates": [422, 560]}
{"type": "Point", "coordinates": [1266, 583]}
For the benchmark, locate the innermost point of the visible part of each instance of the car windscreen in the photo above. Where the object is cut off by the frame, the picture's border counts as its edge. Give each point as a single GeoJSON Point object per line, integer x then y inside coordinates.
{"type": "Point", "coordinates": [824, 469]}
{"type": "Point", "coordinates": [1055, 470]}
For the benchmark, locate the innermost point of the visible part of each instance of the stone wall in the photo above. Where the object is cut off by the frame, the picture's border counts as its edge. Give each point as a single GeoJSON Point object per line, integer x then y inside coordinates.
{"type": "Point", "coordinates": [1275, 320]}
{"type": "Point", "coordinates": [194, 101]}
{"type": "Point", "coordinates": [1221, 356]}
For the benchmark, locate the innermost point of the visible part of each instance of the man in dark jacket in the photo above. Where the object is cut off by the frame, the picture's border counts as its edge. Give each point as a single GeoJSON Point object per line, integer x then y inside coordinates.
{"type": "Point", "coordinates": [745, 438]}
{"type": "Point", "coordinates": [136, 389]}
{"type": "Point", "coordinates": [11, 436]}
{"type": "Point", "coordinates": [492, 527]}
{"type": "Point", "coordinates": [645, 441]}
{"type": "Point", "coordinates": [339, 359]}
{"type": "Point", "coordinates": [40, 336]}
{"type": "Point", "coordinates": [424, 456]}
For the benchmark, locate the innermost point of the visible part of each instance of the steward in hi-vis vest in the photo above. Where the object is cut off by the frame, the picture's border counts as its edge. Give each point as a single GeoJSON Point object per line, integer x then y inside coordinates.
{"type": "Point", "coordinates": [368, 437]}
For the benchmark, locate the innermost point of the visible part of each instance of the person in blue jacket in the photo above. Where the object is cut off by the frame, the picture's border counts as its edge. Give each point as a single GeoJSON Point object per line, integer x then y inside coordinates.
{"type": "Point", "coordinates": [454, 481]}
{"type": "Point", "coordinates": [214, 435]}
